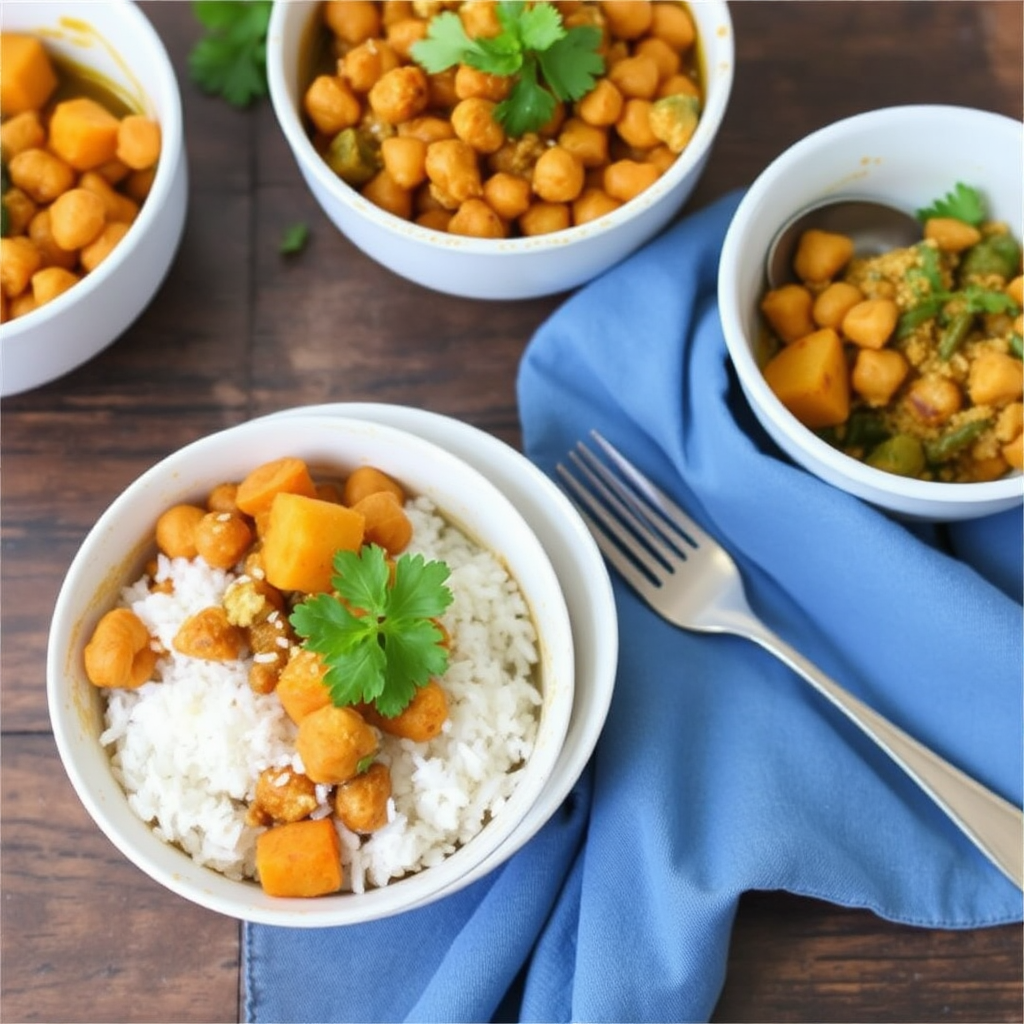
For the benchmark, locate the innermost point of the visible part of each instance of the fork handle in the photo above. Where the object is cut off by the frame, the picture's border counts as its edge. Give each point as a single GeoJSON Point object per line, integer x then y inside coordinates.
{"type": "Point", "coordinates": [993, 824]}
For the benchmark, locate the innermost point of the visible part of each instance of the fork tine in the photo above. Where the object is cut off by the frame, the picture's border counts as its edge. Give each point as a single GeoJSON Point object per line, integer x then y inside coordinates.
{"type": "Point", "coordinates": [665, 505]}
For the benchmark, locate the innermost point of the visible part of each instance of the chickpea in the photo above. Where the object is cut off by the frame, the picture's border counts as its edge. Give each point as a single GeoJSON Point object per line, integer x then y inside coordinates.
{"type": "Point", "coordinates": [332, 741]}
{"type": "Point", "coordinates": [331, 104]}
{"type": "Point", "coordinates": [474, 122]}
{"type": "Point", "coordinates": [21, 304]}
{"type": "Point", "coordinates": [665, 58]}
{"type": "Point", "coordinates": [479, 19]}
{"type": "Point", "coordinates": [871, 323]}
{"type": "Point", "coordinates": [635, 77]}
{"type": "Point", "coordinates": [437, 219]}
{"type": "Point", "coordinates": [427, 129]}
{"type": "Point", "coordinates": [672, 23]}
{"type": "Point", "coordinates": [422, 719]}
{"type": "Point", "coordinates": [361, 804]}
{"type": "Point", "coordinates": [271, 640]}
{"type": "Point", "coordinates": [545, 218]}
{"type": "Point", "coordinates": [476, 219]}
{"type": "Point", "coordinates": [591, 204]}
{"type": "Point", "coordinates": [626, 179]}
{"type": "Point", "coordinates": [386, 522]}
{"type": "Point", "coordinates": [878, 373]}
{"type": "Point", "coordinates": [176, 530]}
{"type": "Point", "coordinates": [602, 105]}
{"type": "Point", "coordinates": [138, 147]}
{"type": "Point", "coordinates": [20, 132]}
{"type": "Point", "coordinates": [507, 194]}
{"type": "Point", "coordinates": [558, 176]}
{"type": "Point", "coordinates": [221, 538]}
{"type": "Point", "coordinates": [586, 142]}
{"type": "Point", "coordinates": [628, 19]}
{"type": "Point", "coordinates": [209, 635]}
{"type": "Point", "coordinates": [366, 480]}
{"type": "Point", "coordinates": [400, 94]}
{"type": "Point", "coordinates": [93, 254]}
{"type": "Point", "coordinates": [405, 159]}
{"type": "Point", "coordinates": [223, 498]}
{"type": "Point", "coordinates": [820, 255]}
{"type": "Point", "coordinates": [282, 795]}
{"type": "Point", "coordinates": [364, 65]}
{"type": "Point", "coordinates": [21, 208]}
{"type": "Point", "coordinates": [932, 399]}
{"type": "Point", "coordinates": [19, 260]}
{"type": "Point", "coordinates": [443, 94]}
{"type": "Point", "coordinates": [995, 378]}
{"type": "Point", "coordinates": [452, 167]}
{"type": "Point", "coordinates": [382, 190]}
{"type": "Point", "coordinates": [354, 21]}
{"type": "Point", "coordinates": [832, 304]}
{"type": "Point", "coordinates": [76, 218]}
{"type": "Point", "coordinates": [634, 124]}
{"type": "Point", "coordinates": [50, 282]}
{"type": "Point", "coordinates": [473, 84]}
{"type": "Point", "coordinates": [41, 174]}
{"type": "Point", "coordinates": [120, 652]}
{"type": "Point", "coordinates": [403, 35]}
{"type": "Point", "coordinates": [951, 235]}
{"type": "Point", "coordinates": [788, 310]}
{"type": "Point", "coordinates": [118, 206]}
{"type": "Point", "coordinates": [679, 85]}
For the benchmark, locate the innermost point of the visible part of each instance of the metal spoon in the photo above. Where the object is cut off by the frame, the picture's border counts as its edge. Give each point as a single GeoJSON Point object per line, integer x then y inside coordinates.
{"type": "Point", "coordinates": [873, 226]}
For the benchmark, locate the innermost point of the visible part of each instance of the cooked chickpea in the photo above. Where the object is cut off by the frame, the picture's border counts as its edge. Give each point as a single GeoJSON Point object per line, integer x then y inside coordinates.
{"type": "Point", "coordinates": [626, 179]}
{"type": "Point", "coordinates": [331, 104]}
{"type": "Point", "coordinates": [400, 94]}
{"type": "Point", "coordinates": [20, 132]}
{"type": "Point", "coordinates": [41, 174]}
{"type": "Point", "coordinates": [667, 60]}
{"type": "Point", "coordinates": [871, 323]}
{"type": "Point", "coordinates": [222, 538]}
{"type": "Point", "coordinates": [427, 129]}
{"type": "Point", "coordinates": [628, 19]}
{"type": "Point", "coordinates": [820, 255]}
{"type": "Point", "coordinates": [558, 176]}
{"type": "Point", "coordinates": [476, 219]}
{"type": "Point", "coordinates": [951, 235]}
{"type": "Point", "coordinates": [545, 218]}
{"type": "Point", "coordinates": [210, 636]}
{"type": "Point", "coordinates": [361, 804]}
{"type": "Point", "coordinates": [21, 208]}
{"type": "Point", "coordinates": [40, 231]}
{"type": "Point", "coordinates": [635, 77]}
{"type": "Point", "coordinates": [679, 85]}
{"type": "Point", "coordinates": [366, 480]}
{"type": "Point", "coordinates": [382, 190]}
{"type": "Point", "coordinates": [474, 122]}
{"type": "Point", "coordinates": [422, 719]}
{"type": "Point", "coordinates": [634, 124]}
{"type": "Point", "coordinates": [118, 207]}
{"type": "Point", "coordinates": [120, 652]}
{"type": "Point", "coordinates": [138, 146]}
{"type": "Point", "coordinates": [283, 794]}
{"type": "Point", "coordinates": [404, 34]}
{"type": "Point", "coordinates": [452, 167]}
{"type": "Point", "coordinates": [672, 23]}
{"type": "Point", "coordinates": [591, 204]}
{"type": "Point", "coordinates": [586, 142]}
{"type": "Point", "coordinates": [176, 530]}
{"type": "Point", "coordinates": [508, 195]}
{"type": "Point", "coordinates": [354, 21]}
{"type": "Point", "coordinates": [405, 159]}
{"type": "Point", "coordinates": [92, 255]}
{"type": "Point", "coordinates": [602, 105]}
{"type": "Point", "coordinates": [878, 373]}
{"type": "Point", "coordinates": [364, 65]}
{"type": "Point", "coordinates": [788, 310]}
{"type": "Point", "coordinates": [19, 260]}
{"type": "Point", "coordinates": [833, 303]}
{"type": "Point", "coordinates": [76, 218]}
{"type": "Point", "coordinates": [995, 379]}
{"type": "Point", "coordinates": [470, 83]}
{"type": "Point", "coordinates": [50, 282]}
{"type": "Point", "coordinates": [933, 399]}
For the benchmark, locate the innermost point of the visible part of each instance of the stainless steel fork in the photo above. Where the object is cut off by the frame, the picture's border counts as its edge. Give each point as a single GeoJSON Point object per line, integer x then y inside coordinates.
{"type": "Point", "coordinates": [691, 580]}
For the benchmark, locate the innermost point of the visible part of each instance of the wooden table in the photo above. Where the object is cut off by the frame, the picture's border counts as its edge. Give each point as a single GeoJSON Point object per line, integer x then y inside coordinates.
{"type": "Point", "coordinates": [236, 331]}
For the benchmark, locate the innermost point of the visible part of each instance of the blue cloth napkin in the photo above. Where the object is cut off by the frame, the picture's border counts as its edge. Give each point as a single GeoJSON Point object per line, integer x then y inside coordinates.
{"type": "Point", "coordinates": [718, 771]}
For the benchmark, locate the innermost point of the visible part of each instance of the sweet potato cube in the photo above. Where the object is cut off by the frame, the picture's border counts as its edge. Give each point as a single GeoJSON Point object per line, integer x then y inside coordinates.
{"type": "Point", "coordinates": [811, 379]}
{"type": "Point", "coordinates": [26, 75]}
{"type": "Point", "coordinates": [302, 536]}
{"type": "Point", "coordinates": [256, 492]}
{"type": "Point", "coordinates": [83, 133]}
{"type": "Point", "coordinates": [300, 858]}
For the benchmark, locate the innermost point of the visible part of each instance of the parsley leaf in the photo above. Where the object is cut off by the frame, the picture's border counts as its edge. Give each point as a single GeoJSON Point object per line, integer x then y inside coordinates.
{"type": "Point", "coordinates": [230, 59]}
{"type": "Point", "coordinates": [376, 634]}
{"type": "Point", "coordinates": [548, 61]}
{"type": "Point", "coordinates": [294, 239]}
{"type": "Point", "coordinates": [963, 203]}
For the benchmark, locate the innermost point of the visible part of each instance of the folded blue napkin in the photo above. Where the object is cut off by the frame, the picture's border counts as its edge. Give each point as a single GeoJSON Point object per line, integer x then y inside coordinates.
{"type": "Point", "coordinates": [719, 771]}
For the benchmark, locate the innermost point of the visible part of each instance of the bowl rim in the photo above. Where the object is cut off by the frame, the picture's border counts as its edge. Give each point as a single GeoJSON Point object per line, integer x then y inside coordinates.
{"type": "Point", "coordinates": [860, 477]}
{"type": "Point", "coordinates": [171, 156]}
{"type": "Point", "coordinates": [719, 69]}
{"type": "Point", "coordinates": [175, 869]}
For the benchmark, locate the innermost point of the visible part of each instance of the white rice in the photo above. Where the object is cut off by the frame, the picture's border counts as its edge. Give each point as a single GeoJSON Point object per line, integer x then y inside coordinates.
{"type": "Point", "coordinates": [189, 746]}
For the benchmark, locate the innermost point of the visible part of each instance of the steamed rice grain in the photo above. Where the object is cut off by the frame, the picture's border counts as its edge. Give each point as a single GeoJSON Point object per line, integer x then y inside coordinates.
{"type": "Point", "coordinates": [189, 746]}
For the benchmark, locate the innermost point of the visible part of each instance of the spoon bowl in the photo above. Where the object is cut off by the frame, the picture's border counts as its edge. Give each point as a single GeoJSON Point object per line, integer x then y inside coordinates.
{"type": "Point", "coordinates": [874, 227]}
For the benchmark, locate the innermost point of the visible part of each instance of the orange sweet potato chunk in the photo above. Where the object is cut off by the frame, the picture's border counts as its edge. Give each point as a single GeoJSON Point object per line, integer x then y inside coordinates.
{"type": "Point", "coordinates": [300, 859]}
{"type": "Point", "coordinates": [301, 538]}
{"type": "Point", "coordinates": [289, 474]}
{"type": "Point", "coordinates": [811, 379]}
{"type": "Point", "coordinates": [83, 133]}
{"type": "Point", "coordinates": [27, 77]}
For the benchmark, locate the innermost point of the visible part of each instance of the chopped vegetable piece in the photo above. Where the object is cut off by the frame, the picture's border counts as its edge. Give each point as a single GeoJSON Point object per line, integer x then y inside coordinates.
{"type": "Point", "coordinates": [300, 859]}
{"type": "Point", "coordinates": [963, 203]}
{"type": "Point", "coordinates": [28, 77]}
{"type": "Point", "coordinates": [955, 440]}
{"type": "Point", "coordinates": [810, 378]}
{"type": "Point", "coordinates": [256, 492]}
{"type": "Point", "coordinates": [901, 454]}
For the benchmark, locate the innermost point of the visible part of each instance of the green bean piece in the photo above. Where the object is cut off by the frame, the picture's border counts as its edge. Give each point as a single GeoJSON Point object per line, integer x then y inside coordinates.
{"type": "Point", "coordinates": [900, 454]}
{"type": "Point", "coordinates": [942, 449]}
{"type": "Point", "coordinates": [865, 429]}
{"type": "Point", "coordinates": [956, 330]}
{"type": "Point", "coordinates": [997, 254]}
{"type": "Point", "coordinates": [1017, 345]}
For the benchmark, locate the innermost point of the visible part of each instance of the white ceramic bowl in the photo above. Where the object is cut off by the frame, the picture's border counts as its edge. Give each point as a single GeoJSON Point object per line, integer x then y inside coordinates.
{"type": "Point", "coordinates": [518, 268]}
{"type": "Point", "coordinates": [904, 156]}
{"type": "Point", "coordinates": [117, 546]}
{"type": "Point", "coordinates": [116, 41]}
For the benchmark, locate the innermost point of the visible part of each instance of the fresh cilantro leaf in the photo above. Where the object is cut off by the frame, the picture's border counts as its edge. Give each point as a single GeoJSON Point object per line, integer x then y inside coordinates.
{"type": "Point", "coordinates": [548, 62]}
{"type": "Point", "coordinates": [230, 60]}
{"type": "Point", "coordinates": [572, 64]}
{"type": "Point", "coordinates": [985, 300]}
{"type": "Point", "coordinates": [294, 239]}
{"type": "Point", "coordinates": [375, 634]}
{"type": "Point", "coordinates": [963, 203]}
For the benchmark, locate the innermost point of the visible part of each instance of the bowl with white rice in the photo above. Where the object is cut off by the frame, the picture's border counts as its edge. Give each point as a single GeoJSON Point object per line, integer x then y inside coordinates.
{"type": "Point", "coordinates": [175, 766]}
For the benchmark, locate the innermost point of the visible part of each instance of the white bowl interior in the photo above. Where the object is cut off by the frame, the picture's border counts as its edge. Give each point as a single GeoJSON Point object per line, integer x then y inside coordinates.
{"type": "Point", "coordinates": [112, 555]}
{"type": "Point", "coordinates": [529, 267]}
{"type": "Point", "coordinates": [115, 40]}
{"type": "Point", "coordinates": [905, 156]}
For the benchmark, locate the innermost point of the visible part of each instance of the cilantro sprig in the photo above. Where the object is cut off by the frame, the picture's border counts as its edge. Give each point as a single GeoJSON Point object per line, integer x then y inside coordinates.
{"type": "Point", "coordinates": [962, 203]}
{"type": "Point", "coordinates": [548, 61]}
{"type": "Point", "coordinates": [230, 59]}
{"type": "Point", "coordinates": [376, 634]}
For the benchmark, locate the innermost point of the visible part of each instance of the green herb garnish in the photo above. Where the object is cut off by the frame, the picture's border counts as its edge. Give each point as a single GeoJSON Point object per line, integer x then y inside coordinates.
{"type": "Point", "coordinates": [548, 61]}
{"type": "Point", "coordinates": [294, 239]}
{"type": "Point", "coordinates": [963, 203]}
{"type": "Point", "coordinates": [230, 60]}
{"type": "Point", "coordinates": [375, 635]}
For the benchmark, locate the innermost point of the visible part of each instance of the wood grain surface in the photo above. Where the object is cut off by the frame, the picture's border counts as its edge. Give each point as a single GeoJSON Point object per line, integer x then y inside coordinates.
{"type": "Point", "coordinates": [237, 331]}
